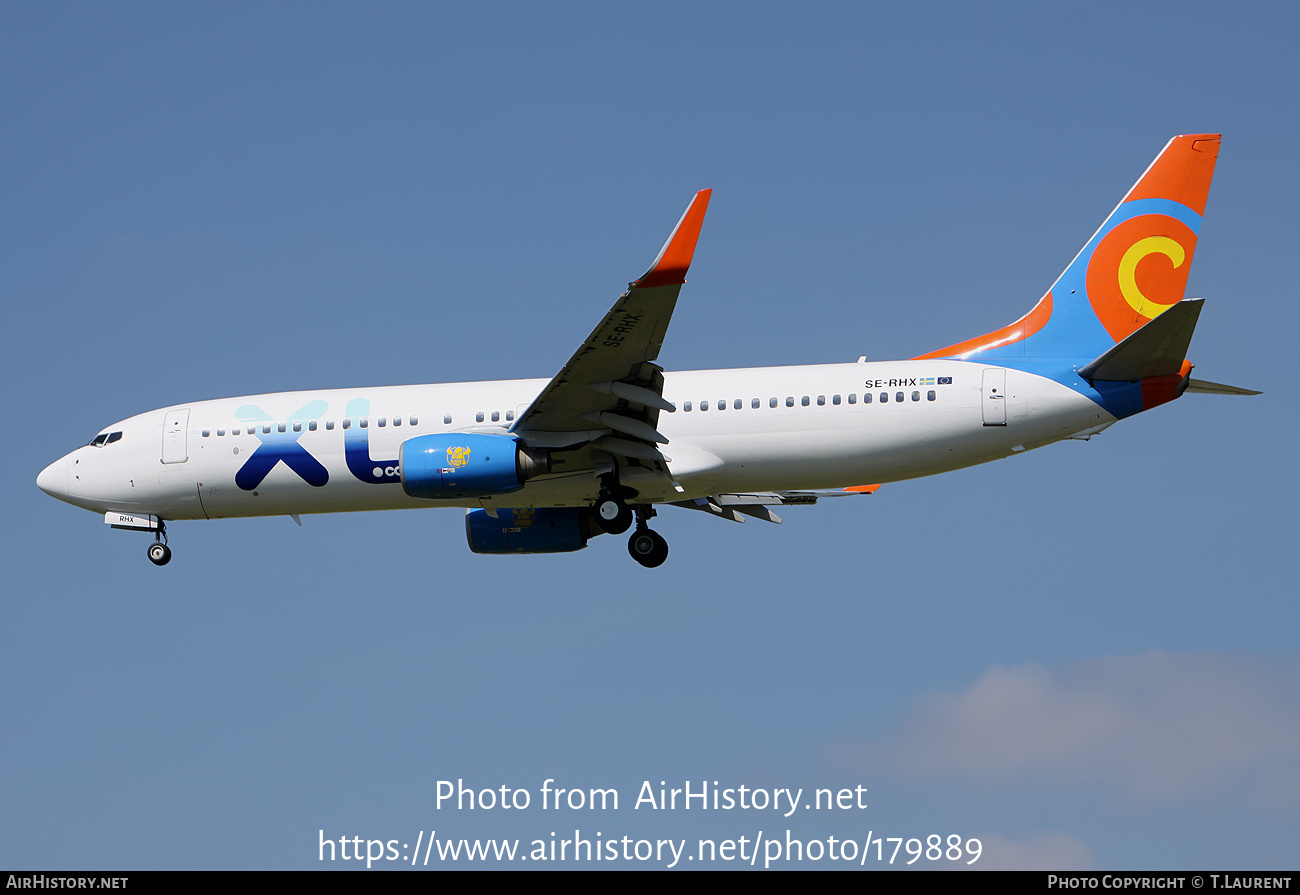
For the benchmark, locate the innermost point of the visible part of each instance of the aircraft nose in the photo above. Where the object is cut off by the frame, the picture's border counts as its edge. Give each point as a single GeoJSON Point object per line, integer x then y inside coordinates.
{"type": "Point", "coordinates": [53, 479]}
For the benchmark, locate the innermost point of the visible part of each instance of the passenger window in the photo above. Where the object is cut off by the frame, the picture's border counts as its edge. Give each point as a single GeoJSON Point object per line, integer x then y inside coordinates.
{"type": "Point", "coordinates": [266, 428]}
{"type": "Point", "coordinates": [383, 421]}
{"type": "Point", "coordinates": [835, 400]}
{"type": "Point", "coordinates": [510, 414]}
{"type": "Point", "coordinates": [804, 401]}
{"type": "Point", "coordinates": [753, 405]}
{"type": "Point", "coordinates": [415, 421]}
{"type": "Point", "coordinates": [329, 424]}
{"type": "Point", "coordinates": [898, 396]}
{"type": "Point", "coordinates": [207, 432]}
{"type": "Point", "coordinates": [297, 427]}
{"type": "Point", "coordinates": [740, 402]}
{"type": "Point", "coordinates": [496, 416]}
{"type": "Point", "coordinates": [772, 402]}
{"type": "Point", "coordinates": [687, 407]}
{"type": "Point", "coordinates": [722, 405]}
{"type": "Point", "coordinates": [916, 396]}
{"type": "Point", "coordinates": [884, 397]}
{"type": "Point", "coordinates": [446, 419]}
{"type": "Point", "coordinates": [821, 400]}
{"type": "Point", "coordinates": [312, 425]}
{"type": "Point", "coordinates": [347, 422]}
{"type": "Point", "coordinates": [789, 401]}
{"type": "Point", "coordinates": [365, 422]}
{"type": "Point", "coordinates": [397, 421]}
{"type": "Point", "coordinates": [478, 417]}
{"type": "Point", "coordinates": [704, 405]}
{"type": "Point", "coordinates": [853, 399]}
{"type": "Point", "coordinates": [221, 432]}
{"type": "Point", "coordinates": [929, 396]}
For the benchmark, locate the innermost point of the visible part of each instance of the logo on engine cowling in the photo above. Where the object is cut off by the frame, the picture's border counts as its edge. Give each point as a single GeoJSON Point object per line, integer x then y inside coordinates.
{"type": "Point", "coordinates": [457, 456]}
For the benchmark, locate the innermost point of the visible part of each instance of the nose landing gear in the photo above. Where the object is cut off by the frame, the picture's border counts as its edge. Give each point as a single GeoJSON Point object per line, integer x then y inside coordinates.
{"type": "Point", "coordinates": [159, 553]}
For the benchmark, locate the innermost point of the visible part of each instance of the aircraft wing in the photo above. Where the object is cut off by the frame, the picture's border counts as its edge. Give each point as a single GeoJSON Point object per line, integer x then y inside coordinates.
{"type": "Point", "coordinates": [611, 389]}
{"type": "Point", "coordinates": [737, 506]}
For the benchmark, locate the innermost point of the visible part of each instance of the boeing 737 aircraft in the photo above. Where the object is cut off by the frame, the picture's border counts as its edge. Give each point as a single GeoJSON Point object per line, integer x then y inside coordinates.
{"type": "Point", "coordinates": [543, 465]}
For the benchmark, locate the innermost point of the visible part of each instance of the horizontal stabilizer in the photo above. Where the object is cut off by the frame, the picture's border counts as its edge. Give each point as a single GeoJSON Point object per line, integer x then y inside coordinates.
{"type": "Point", "coordinates": [1157, 349]}
{"type": "Point", "coordinates": [1215, 388]}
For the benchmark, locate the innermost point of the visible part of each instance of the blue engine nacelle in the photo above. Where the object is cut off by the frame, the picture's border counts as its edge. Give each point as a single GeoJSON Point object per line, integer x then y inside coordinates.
{"type": "Point", "coordinates": [524, 530]}
{"type": "Point", "coordinates": [458, 465]}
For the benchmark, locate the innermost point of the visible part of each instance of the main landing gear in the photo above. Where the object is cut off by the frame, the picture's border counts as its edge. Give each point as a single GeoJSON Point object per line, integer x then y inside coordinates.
{"type": "Point", "coordinates": [159, 553]}
{"type": "Point", "coordinates": [612, 514]}
{"type": "Point", "coordinates": [646, 546]}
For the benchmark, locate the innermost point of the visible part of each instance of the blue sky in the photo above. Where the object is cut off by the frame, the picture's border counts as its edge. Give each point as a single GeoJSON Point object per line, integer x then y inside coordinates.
{"type": "Point", "coordinates": [1084, 656]}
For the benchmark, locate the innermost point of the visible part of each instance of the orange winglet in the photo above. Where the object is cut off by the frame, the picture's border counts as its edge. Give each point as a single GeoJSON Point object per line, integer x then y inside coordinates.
{"type": "Point", "coordinates": [675, 257]}
{"type": "Point", "coordinates": [863, 489]}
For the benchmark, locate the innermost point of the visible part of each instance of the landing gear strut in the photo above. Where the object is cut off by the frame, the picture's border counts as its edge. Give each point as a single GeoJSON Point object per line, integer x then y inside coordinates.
{"type": "Point", "coordinates": [159, 553]}
{"type": "Point", "coordinates": [646, 546]}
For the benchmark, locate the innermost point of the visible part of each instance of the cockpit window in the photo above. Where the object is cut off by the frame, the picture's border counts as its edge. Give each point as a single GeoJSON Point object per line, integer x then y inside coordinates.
{"type": "Point", "coordinates": [104, 438]}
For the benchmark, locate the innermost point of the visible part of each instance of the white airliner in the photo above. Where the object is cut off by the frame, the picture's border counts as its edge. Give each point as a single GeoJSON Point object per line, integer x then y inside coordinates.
{"type": "Point", "coordinates": [543, 465]}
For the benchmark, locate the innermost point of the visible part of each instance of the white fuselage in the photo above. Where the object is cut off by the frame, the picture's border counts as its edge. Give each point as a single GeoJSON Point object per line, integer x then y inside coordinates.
{"type": "Point", "coordinates": [180, 462]}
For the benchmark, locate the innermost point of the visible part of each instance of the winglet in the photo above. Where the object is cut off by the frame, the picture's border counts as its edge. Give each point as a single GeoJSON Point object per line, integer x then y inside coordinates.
{"type": "Point", "coordinates": [674, 258]}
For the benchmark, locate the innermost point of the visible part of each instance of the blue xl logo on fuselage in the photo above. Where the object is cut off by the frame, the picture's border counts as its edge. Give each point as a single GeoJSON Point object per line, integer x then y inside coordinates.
{"type": "Point", "coordinates": [280, 445]}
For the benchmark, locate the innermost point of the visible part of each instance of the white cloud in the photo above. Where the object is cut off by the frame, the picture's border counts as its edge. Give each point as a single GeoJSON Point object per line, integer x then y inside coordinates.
{"type": "Point", "coordinates": [1156, 726]}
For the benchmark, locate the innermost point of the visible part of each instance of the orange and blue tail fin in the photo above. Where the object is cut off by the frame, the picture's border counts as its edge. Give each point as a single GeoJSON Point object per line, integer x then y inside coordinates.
{"type": "Point", "coordinates": [1133, 269]}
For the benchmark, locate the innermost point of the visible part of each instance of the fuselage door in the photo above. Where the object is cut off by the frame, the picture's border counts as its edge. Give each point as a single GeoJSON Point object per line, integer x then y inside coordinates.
{"type": "Point", "coordinates": [994, 400]}
{"type": "Point", "coordinates": [174, 427]}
